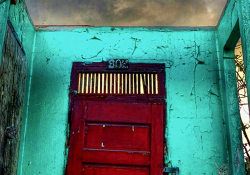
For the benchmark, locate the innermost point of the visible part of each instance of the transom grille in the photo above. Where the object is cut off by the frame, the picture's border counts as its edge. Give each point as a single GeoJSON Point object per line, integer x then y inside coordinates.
{"type": "Point", "coordinates": [118, 83]}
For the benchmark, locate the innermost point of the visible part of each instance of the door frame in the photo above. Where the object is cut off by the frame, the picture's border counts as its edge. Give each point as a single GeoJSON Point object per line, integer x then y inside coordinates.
{"type": "Point", "coordinates": [80, 67]}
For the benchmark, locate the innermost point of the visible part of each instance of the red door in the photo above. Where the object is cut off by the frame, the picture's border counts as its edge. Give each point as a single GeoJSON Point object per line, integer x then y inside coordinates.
{"type": "Point", "coordinates": [116, 137]}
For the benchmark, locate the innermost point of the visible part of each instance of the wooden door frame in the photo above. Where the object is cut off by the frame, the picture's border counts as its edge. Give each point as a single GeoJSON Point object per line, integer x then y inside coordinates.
{"type": "Point", "coordinates": [80, 67]}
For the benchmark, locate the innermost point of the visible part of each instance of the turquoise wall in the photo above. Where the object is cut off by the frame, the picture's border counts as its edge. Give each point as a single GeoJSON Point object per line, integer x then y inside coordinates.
{"type": "Point", "coordinates": [230, 29]}
{"type": "Point", "coordinates": [195, 131]}
{"type": "Point", "coordinates": [4, 11]}
{"type": "Point", "coordinates": [197, 83]}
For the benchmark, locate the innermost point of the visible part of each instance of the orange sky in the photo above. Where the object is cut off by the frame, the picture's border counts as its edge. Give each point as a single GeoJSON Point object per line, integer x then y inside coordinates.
{"type": "Point", "coordinates": [126, 12]}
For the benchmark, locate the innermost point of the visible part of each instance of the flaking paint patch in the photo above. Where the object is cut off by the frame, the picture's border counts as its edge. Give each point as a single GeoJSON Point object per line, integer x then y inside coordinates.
{"type": "Point", "coordinates": [228, 88]}
{"type": "Point", "coordinates": [143, 46]}
{"type": "Point", "coordinates": [237, 161]}
{"type": "Point", "coordinates": [194, 103]}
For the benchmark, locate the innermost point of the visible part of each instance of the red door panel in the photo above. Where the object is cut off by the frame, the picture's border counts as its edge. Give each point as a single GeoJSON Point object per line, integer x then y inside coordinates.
{"type": "Point", "coordinates": [119, 112]}
{"type": "Point", "coordinates": [116, 139]}
{"type": "Point", "coordinates": [141, 158]}
{"type": "Point", "coordinates": [114, 170]}
{"type": "Point", "coordinates": [157, 140]}
{"type": "Point", "coordinates": [117, 136]}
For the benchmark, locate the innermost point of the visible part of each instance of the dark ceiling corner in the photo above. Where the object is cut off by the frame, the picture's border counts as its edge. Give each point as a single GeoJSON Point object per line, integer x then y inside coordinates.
{"type": "Point", "coordinates": [13, 2]}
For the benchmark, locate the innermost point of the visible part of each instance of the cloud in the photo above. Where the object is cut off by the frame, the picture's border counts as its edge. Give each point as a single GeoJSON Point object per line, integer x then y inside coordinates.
{"type": "Point", "coordinates": [126, 12]}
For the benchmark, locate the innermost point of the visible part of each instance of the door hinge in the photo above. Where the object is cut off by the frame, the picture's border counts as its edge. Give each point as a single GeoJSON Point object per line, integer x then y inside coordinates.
{"type": "Point", "coordinates": [168, 170]}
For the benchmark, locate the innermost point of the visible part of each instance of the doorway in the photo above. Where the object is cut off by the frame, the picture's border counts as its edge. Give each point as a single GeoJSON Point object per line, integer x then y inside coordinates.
{"type": "Point", "coordinates": [117, 120]}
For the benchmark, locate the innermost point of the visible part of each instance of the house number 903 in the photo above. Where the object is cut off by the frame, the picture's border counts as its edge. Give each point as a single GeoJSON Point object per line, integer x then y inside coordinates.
{"type": "Point", "coordinates": [118, 64]}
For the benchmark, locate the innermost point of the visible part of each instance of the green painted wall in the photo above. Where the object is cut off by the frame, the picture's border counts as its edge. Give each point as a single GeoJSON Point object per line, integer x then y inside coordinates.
{"type": "Point", "coordinates": [4, 10]}
{"type": "Point", "coordinates": [196, 133]}
{"type": "Point", "coordinates": [244, 17]}
{"type": "Point", "coordinates": [197, 82]}
{"type": "Point", "coordinates": [229, 31]}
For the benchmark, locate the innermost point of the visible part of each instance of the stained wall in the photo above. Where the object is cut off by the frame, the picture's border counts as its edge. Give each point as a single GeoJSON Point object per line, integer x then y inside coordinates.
{"type": "Point", "coordinates": [197, 113]}
{"type": "Point", "coordinates": [229, 30]}
{"type": "Point", "coordinates": [17, 85]}
{"type": "Point", "coordinates": [195, 128]}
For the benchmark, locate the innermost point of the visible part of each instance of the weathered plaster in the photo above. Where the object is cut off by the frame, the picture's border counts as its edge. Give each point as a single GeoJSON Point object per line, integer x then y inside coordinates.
{"type": "Point", "coordinates": [193, 98]}
{"type": "Point", "coordinates": [197, 114]}
{"type": "Point", "coordinates": [244, 17]}
{"type": "Point", "coordinates": [244, 8]}
{"type": "Point", "coordinates": [227, 36]}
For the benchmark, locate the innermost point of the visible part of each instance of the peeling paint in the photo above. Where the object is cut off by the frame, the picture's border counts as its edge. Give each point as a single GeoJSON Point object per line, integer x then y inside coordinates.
{"type": "Point", "coordinates": [228, 87]}
{"type": "Point", "coordinates": [182, 76]}
{"type": "Point", "coordinates": [193, 57]}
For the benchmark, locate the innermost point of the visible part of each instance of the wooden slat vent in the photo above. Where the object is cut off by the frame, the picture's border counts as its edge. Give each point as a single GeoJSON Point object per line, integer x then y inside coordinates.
{"type": "Point", "coordinates": [118, 83]}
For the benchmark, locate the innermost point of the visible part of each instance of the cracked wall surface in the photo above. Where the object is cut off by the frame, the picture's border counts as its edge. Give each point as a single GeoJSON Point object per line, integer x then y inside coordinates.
{"type": "Point", "coordinates": [230, 29]}
{"type": "Point", "coordinates": [195, 127]}
{"type": "Point", "coordinates": [197, 77]}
